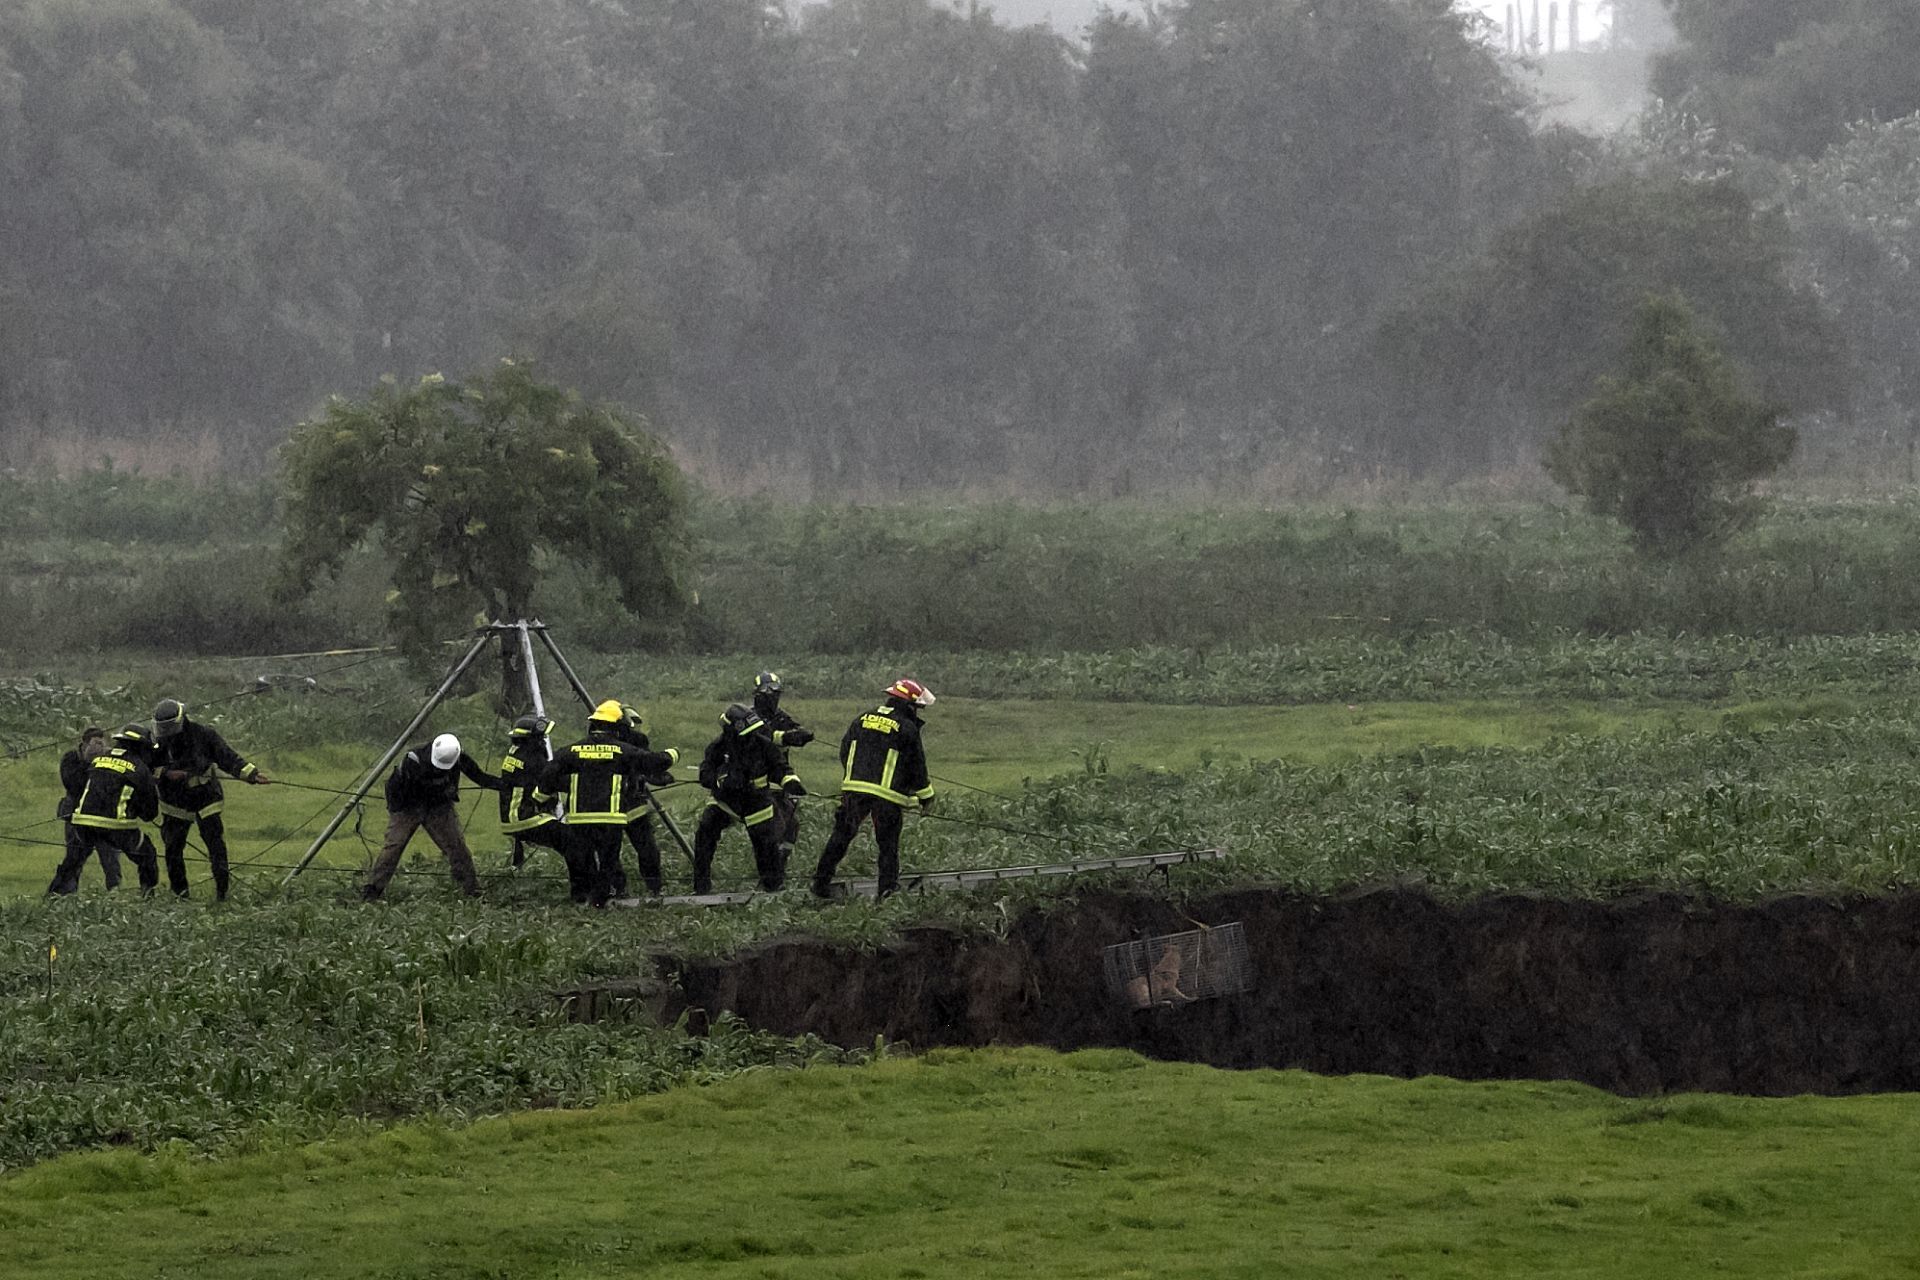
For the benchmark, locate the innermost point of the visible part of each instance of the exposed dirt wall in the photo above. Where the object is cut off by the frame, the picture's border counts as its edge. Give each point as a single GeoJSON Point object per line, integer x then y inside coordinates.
{"type": "Point", "coordinates": [1649, 994]}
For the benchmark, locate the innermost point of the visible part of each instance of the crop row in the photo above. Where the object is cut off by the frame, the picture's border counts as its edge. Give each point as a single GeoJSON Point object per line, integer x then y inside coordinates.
{"type": "Point", "coordinates": [831, 580]}
{"type": "Point", "coordinates": [360, 699]}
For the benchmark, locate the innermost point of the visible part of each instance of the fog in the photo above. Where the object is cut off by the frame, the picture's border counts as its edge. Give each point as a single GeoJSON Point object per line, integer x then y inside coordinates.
{"type": "Point", "coordinates": [882, 245]}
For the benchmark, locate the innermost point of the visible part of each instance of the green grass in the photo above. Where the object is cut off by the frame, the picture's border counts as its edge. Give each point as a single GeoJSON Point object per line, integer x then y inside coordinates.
{"type": "Point", "coordinates": [993, 745]}
{"type": "Point", "coordinates": [1094, 1164]}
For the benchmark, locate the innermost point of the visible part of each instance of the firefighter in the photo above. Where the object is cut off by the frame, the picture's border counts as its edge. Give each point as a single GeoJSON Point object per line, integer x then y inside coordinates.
{"type": "Point", "coordinates": [422, 791]}
{"type": "Point", "coordinates": [73, 780]}
{"type": "Point", "coordinates": [529, 750]}
{"type": "Point", "coordinates": [187, 757]}
{"type": "Point", "coordinates": [117, 795]}
{"type": "Point", "coordinates": [787, 734]}
{"type": "Point", "coordinates": [885, 771]}
{"type": "Point", "coordinates": [604, 778]}
{"type": "Point", "coordinates": [737, 769]}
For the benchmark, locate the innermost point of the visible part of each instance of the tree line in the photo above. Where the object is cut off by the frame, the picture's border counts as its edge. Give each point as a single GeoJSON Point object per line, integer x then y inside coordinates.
{"type": "Point", "coordinates": [879, 245]}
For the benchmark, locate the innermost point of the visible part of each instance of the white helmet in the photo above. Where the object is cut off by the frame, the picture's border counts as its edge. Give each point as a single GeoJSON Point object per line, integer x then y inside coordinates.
{"type": "Point", "coordinates": [446, 751]}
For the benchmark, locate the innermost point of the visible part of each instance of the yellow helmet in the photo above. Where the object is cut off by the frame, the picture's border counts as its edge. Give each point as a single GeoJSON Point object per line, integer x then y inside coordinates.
{"type": "Point", "coordinates": [608, 712]}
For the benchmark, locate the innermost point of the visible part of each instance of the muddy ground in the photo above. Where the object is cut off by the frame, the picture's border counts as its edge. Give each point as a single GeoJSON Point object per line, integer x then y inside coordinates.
{"type": "Point", "coordinates": [1650, 994]}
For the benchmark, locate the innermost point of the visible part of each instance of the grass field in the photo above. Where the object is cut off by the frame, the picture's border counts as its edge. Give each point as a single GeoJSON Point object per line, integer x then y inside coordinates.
{"type": "Point", "coordinates": [1724, 766]}
{"type": "Point", "coordinates": [993, 745]}
{"type": "Point", "coordinates": [1094, 1164]}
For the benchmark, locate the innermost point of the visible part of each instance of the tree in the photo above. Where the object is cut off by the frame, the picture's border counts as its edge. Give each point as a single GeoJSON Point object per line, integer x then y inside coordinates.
{"type": "Point", "coordinates": [470, 487]}
{"type": "Point", "coordinates": [1672, 447]}
{"type": "Point", "coordinates": [1852, 212]}
{"type": "Point", "coordinates": [1488, 355]}
{"type": "Point", "coordinates": [1788, 76]}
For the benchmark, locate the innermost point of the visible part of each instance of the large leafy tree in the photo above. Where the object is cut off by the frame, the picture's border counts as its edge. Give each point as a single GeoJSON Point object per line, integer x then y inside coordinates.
{"type": "Point", "coordinates": [1492, 353]}
{"type": "Point", "coordinates": [1788, 76]}
{"type": "Point", "coordinates": [470, 488]}
{"type": "Point", "coordinates": [1853, 214]}
{"type": "Point", "coordinates": [1672, 445]}
{"type": "Point", "coordinates": [1285, 168]}
{"type": "Point", "coordinates": [166, 267]}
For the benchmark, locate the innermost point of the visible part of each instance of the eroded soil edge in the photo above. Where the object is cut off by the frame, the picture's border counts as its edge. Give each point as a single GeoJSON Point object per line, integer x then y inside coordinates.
{"type": "Point", "coordinates": [1650, 994]}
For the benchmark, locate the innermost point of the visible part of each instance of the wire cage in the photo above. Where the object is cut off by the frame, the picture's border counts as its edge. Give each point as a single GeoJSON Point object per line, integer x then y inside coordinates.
{"type": "Point", "coordinates": [1179, 968]}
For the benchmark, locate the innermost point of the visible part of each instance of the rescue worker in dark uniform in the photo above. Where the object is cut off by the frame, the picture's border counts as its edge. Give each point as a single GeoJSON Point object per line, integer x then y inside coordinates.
{"type": "Point", "coordinates": [528, 753]}
{"type": "Point", "coordinates": [73, 780]}
{"type": "Point", "coordinates": [787, 734]}
{"type": "Point", "coordinates": [737, 769]}
{"type": "Point", "coordinates": [646, 850]}
{"type": "Point", "coordinates": [422, 791]}
{"type": "Point", "coordinates": [603, 776]}
{"type": "Point", "coordinates": [885, 771]}
{"type": "Point", "coordinates": [186, 757]}
{"type": "Point", "coordinates": [116, 797]}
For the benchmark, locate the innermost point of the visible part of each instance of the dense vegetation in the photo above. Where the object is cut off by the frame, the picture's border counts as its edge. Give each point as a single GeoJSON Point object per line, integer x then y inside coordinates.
{"type": "Point", "coordinates": [343, 1014]}
{"type": "Point", "coordinates": [116, 562]}
{"type": "Point", "coordinates": [877, 245]}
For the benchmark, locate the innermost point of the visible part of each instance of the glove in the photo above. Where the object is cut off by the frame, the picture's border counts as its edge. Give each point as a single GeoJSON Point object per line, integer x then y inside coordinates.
{"type": "Point", "coordinates": [797, 737]}
{"type": "Point", "coordinates": [660, 780]}
{"type": "Point", "coordinates": [794, 787]}
{"type": "Point", "coordinates": [926, 804]}
{"type": "Point", "coordinates": [673, 756]}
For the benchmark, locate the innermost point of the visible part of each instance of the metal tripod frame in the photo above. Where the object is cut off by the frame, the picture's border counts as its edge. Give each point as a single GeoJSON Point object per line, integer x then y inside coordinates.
{"type": "Point", "coordinates": [525, 630]}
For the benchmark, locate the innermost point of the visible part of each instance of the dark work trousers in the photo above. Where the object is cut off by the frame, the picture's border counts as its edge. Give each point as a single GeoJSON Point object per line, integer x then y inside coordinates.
{"type": "Point", "coordinates": [83, 842]}
{"type": "Point", "coordinates": [173, 838]}
{"type": "Point", "coordinates": [855, 808]}
{"type": "Point", "coordinates": [767, 862]}
{"type": "Point", "coordinates": [555, 836]}
{"type": "Point", "coordinates": [443, 828]}
{"type": "Point", "coordinates": [66, 879]}
{"type": "Point", "coordinates": [597, 846]}
{"type": "Point", "coordinates": [645, 852]}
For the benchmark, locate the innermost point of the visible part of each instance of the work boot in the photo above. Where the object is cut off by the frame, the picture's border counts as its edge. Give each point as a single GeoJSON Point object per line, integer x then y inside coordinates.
{"type": "Point", "coordinates": [822, 889]}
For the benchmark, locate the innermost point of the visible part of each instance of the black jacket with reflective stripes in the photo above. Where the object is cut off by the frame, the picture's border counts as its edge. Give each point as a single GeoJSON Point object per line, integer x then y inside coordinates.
{"type": "Point", "coordinates": [781, 726]}
{"type": "Point", "coordinates": [119, 793]}
{"type": "Point", "coordinates": [520, 772]}
{"type": "Point", "coordinates": [604, 778]}
{"type": "Point", "coordinates": [882, 756]}
{"type": "Point", "coordinates": [197, 750]}
{"type": "Point", "coordinates": [73, 780]}
{"type": "Point", "coordinates": [739, 767]}
{"type": "Point", "coordinates": [415, 785]}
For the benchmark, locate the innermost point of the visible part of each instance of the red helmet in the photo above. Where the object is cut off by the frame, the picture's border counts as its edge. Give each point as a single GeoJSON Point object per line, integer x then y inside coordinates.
{"type": "Point", "coordinates": [911, 691]}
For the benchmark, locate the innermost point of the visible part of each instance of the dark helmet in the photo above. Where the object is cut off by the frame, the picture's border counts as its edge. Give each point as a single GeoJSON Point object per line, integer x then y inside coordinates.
{"type": "Point", "coordinates": [132, 735]}
{"type": "Point", "coordinates": [741, 720]}
{"type": "Point", "coordinates": [169, 718]}
{"type": "Point", "coordinates": [530, 727]}
{"type": "Point", "coordinates": [767, 682]}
